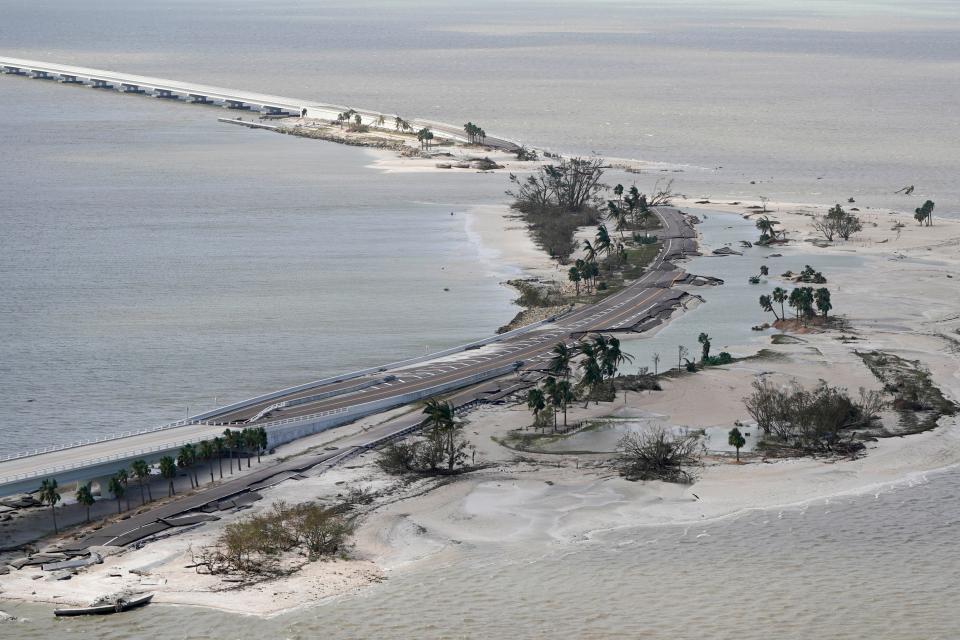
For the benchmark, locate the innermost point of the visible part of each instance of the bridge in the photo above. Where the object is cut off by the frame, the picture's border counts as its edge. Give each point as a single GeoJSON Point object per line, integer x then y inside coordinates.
{"type": "Point", "coordinates": [492, 367]}
{"type": "Point", "coordinates": [201, 94]}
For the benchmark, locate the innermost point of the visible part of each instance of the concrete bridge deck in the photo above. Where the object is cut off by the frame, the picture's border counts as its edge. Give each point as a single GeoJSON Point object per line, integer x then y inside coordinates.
{"type": "Point", "coordinates": [205, 94]}
{"type": "Point", "coordinates": [293, 413]}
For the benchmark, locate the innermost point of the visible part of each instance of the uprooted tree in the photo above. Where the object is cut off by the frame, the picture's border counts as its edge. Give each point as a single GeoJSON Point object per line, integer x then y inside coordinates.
{"type": "Point", "coordinates": [659, 455]}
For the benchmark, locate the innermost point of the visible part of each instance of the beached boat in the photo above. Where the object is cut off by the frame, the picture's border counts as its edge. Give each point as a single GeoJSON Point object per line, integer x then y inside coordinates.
{"type": "Point", "coordinates": [120, 604]}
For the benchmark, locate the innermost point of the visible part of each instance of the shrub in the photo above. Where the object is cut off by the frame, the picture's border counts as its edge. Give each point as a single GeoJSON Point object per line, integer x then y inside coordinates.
{"type": "Point", "coordinates": [818, 420]}
{"type": "Point", "coordinates": [658, 455]}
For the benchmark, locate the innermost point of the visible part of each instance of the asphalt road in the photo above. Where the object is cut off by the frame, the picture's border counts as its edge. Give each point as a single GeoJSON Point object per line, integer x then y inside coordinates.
{"type": "Point", "coordinates": [634, 305]}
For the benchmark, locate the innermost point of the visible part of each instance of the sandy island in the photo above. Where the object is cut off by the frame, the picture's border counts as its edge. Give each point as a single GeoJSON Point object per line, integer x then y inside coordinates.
{"type": "Point", "coordinates": [902, 301]}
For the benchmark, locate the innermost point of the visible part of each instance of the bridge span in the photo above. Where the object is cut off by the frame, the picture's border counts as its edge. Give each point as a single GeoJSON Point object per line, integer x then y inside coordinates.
{"type": "Point", "coordinates": [491, 368]}
{"type": "Point", "coordinates": [201, 94]}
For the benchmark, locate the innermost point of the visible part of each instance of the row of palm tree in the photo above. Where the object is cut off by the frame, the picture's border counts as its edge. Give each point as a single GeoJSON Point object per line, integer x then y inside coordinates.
{"type": "Point", "coordinates": [350, 115]}
{"type": "Point", "coordinates": [587, 269]}
{"type": "Point", "coordinates": [425, 136]}
{"type": "Point", "coordinates": [599, 360]}
{"type": "Point", "coordinates": [251, 441]}
{"type": "Point", "coordinates": [802, 300]}
{"type": "Point", "coordinates": [475, 134]}
{"type": "Point", "coordinates": [630, 210]}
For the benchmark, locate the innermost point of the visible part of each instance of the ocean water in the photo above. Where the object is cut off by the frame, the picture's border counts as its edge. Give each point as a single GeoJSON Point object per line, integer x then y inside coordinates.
{"type": "Point", "coordinates": [881, 565]}
{"type": "Point", "coordinates": [155, 262]}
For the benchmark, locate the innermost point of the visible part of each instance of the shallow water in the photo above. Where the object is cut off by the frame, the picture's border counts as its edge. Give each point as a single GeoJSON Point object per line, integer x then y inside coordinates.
{"type": "Point", "coordinates": [875, 566]}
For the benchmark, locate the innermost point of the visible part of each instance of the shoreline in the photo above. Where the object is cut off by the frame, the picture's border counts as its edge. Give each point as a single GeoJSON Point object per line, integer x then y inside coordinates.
{"type": "Point", "coordinates": [387, 540]}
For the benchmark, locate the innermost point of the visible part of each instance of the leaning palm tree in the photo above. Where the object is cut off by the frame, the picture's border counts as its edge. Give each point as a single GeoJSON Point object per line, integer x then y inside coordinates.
{"type": "Point", "coordinates": [780, 295]}
{"type": "Point", "coordinates": [117, 488]}
{"type": "Point", "coordinates": [592, 376]}
{"type": "Point", "coordinates": [604, 245]}
{"type": "Point", "coordinates": [613, 357]}
{"type": "Point", "coordinates": [50, 495]}
{"type": "Point", "coordinates": [559, 364]}
{"type": "Point", "coordinates": [590, 252]}
{"type": "Point", "coordinates": [85, 497]}
{"type": "Point", "coordinates": [141, 471]}
{"type": "Point", "coordinates": [766, 303]}
{"type": "Point", "coordinates": [168, 469]}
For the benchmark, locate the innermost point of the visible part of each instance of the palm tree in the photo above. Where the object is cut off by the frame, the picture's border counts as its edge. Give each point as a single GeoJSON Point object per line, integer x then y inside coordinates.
{"type": "Point", "coordinates": [262, 441]}
{"type": "Point", "coordinates": [168, 469]}
{"type": "Point", "coordinates": [766, 303]}
{"type": "Point", "coordinates": [704, 340]}
{"type": "Point", "coordinates": [604, 245]}
{"type": "Point", "coordinates": [357, 120]}
{"type": "Point", "coordinates": [559, 363]}
{"type": "Point", "coordinates": [249, 440]}
{"type": "Point", "coordinates": [780, 295]}
{"type": "Point", "coordinates": [536, 402]}
{"type": "Point", "coordinates": [397, 121]}
{"type": "Point", "coordinates": [49, 495]}
{"type": "Point", "coordinates": [573, 275]}
{"type": "Point", "coordinates": [85, 497]}
{"type": "Point", "coordinates": [380, 120]}
{"type": "Point", "coordinates": [613, 357]}
{"type": "Point", "coordinates": [117, 489]}
{"type": "Point", "coordinates": [564, 392]}
{"type": "Point", "coordinates": [218, 448]}
{"type": "Point", "coordinates": [230, 441]}
{"type": "Point", "coordinates": [592, 376]}
{"type": "Point", "coordinates": [141, 471]}
{"type": "Point", "coordinates": [552, 389]}
{"type": "Point", "coordinates": [183, 461]}
{"type": "Point", "coordinates": [205, 452]}
{"type": "Point", "coordinates": [656, 362]}
{"type": "Point", "coordinates": [822, 299]}
{"type": "Point", "coordinates": [124, 479]}
{"type": "Point", "coordinates": [767, 228]}
{"type": "Point", "coordinates": [424, 136]}
{"type": "Point", "coordinates": [441, 419]}
{"type": "Point", "coordinates": [590, 251]}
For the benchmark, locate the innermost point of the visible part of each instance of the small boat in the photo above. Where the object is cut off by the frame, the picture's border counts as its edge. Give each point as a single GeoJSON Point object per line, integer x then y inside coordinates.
{"type": "Point", "coordinates": [120, 604]}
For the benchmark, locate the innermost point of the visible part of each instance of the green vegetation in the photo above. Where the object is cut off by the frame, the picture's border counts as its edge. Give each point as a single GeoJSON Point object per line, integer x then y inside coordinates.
{"type": "Point", "coordinates": [257, 545]}
{"type": "Point", "coordinates": [558, 199]}
{"type": "Point", "coordinates": [924, 214]}
{"type": "Point", "coordinates": [821, 420]}
{"type": "Point", "coordinates": [84, 496]}
{"type": "Point", "coordinates": [117, 488]}
{"type": "Point", "coordinates": [441, 448]}
{"type": "Point", "coordinates": [425, 136]}
{"type": "Point", "coordinates": [141, 471]}
{"type": "Point", "coordinates": [837, 222]}
{"type": "Point", "coordinates": [475, 134]}
{"type": "Point", "coordinates": [736, 440]}
{"type": "Point", "coordinates": [769, 232]}
{"type": "Point", "coordinates": [50, 496]}
{"type": "Point", "coordinates": [168, 469]}
{"type": "Point", "coordinates": [599, 360]}
{"type": "Point", "coordinates": [805, 301]}
{"type": "Point", "coordinates": [658, 455]}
